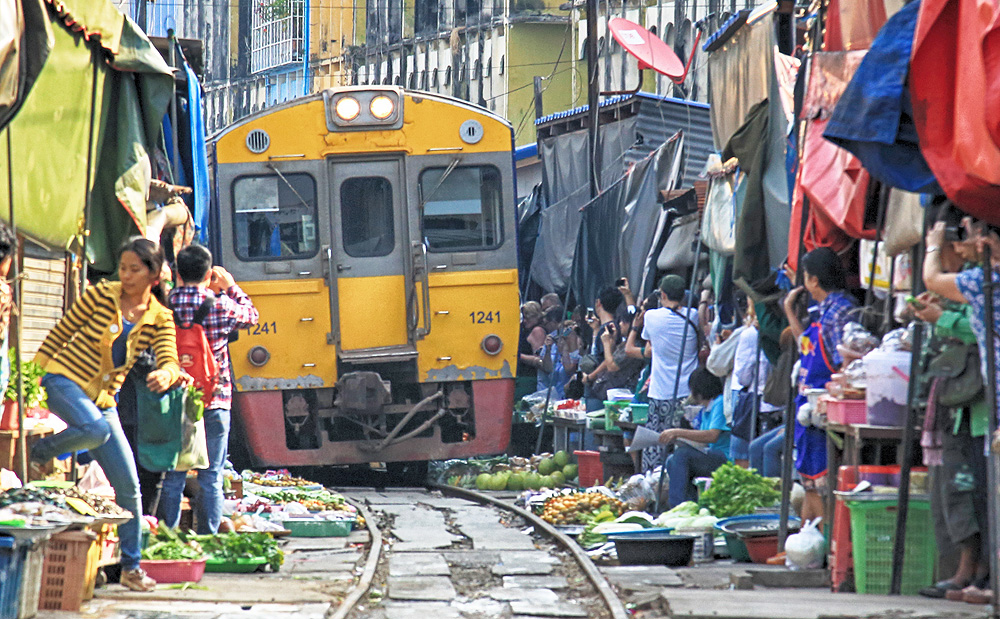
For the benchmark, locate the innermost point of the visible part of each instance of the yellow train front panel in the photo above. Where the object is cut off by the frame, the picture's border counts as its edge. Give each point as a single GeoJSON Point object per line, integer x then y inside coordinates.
{"type": "Point", "coordinates": [466, 307]}
{"type": "Point", "coordinates": [293, 327]}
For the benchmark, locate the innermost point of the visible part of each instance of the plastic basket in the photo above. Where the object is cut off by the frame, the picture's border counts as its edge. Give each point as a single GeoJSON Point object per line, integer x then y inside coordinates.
{"type": "Point", "coordinates": [243, 565]}
{"type": "Point", "coordinates": [11, 572]}
{"type": "Point", "coordinates": [174, 571]}
{"type": "Point", "coordinates": [846, 411]}
{"type": "Point", "coordinates": [611, 412]}
{"type": "Point", "coordinates": [873, 533]}
{"type": "Point", "coordinates": [640, 412]}
{"type": "Point", "coordinates": [69, 571]}
{"type": "Point", "coordinates": [311, 527]}
{"type": "Point", "coordinates": [31, 580]}
{"type": "Point", "coordinates": [590, 471]}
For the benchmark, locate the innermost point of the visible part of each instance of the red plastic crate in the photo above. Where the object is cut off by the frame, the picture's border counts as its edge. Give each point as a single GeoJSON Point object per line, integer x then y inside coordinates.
{"type": "Point", "coordinates": [841, 559]}
{"type": "Point", "coordinates": [590, 470]}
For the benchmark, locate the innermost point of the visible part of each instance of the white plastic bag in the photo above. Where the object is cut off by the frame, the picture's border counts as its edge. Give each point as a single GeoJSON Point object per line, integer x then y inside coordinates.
{"type": "Point", "coordinates": [718, 226]}
{"type": "Point", "coordinates": [194, 447]}
{"type": "Point", "coordinates": [806, 549]}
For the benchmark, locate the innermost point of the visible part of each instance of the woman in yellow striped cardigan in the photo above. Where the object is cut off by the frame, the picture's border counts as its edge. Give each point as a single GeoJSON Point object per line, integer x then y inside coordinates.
{"type": "Point", "coordinates": [86, 358]}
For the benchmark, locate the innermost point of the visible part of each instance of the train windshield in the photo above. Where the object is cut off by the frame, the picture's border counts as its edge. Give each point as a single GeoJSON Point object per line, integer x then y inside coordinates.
{"type": "Point", "coordinates": [462, 211]}
{"type": "Point", "coordinates": [275, 217]}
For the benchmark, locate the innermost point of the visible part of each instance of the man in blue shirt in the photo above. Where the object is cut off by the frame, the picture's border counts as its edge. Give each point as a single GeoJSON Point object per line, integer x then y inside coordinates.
{"type": "Point", "coordinates": [698, 452]}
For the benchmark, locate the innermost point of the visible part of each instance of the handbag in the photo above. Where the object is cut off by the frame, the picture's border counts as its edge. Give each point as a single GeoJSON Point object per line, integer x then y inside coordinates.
{"type": "Point", "coordinates": [743, 415]}
{"type": "Point", "coordinates": [958, 367]}
{"type": "Point", "coordinates": [158, 431]}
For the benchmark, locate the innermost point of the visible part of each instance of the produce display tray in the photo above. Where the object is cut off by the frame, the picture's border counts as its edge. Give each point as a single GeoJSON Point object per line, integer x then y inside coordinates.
{"type": "Point", "coordinates": [304, 527]}
{"type": "Point", "coordinates": [167, 572]}
{"type": "Point", "coordinates": [243, 565]}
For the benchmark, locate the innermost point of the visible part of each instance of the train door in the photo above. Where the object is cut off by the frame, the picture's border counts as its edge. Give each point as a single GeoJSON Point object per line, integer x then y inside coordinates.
{"type": "Point", "coordinates": [369, 259]}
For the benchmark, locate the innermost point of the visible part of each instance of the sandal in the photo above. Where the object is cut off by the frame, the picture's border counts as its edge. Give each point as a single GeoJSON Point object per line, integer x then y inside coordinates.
{"type": "Point", "coordinates": [975, 595]}
{"type": "Point", "coordinates": [137, 580]}
{"type": "Point", "coordinates": [940, 590]}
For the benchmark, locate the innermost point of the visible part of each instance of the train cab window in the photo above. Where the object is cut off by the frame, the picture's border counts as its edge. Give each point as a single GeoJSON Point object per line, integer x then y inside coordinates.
{"type": "Point", "coordinates": [366, 216]}
{"type": "Point", "coordinates": [274, 217]}
{"type": "Point", "coordinates": [461, 208]}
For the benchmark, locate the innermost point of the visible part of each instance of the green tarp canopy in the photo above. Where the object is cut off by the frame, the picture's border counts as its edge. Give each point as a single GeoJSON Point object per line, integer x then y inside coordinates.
{"type": "Point", "coordinates": [86, 127]}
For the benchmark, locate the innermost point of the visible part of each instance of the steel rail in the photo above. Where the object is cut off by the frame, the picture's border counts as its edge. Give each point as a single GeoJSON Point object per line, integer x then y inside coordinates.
{"type": "Point", "coordinates": [368, 574]}
{"type": "Point", "coordinates": [614, 605]}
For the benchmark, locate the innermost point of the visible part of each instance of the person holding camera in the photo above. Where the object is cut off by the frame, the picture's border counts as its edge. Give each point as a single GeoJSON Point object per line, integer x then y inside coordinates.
{"type": "Point", "coordinates": [560, 354]}
{"type": "Point", "coordinates": [672, 331]}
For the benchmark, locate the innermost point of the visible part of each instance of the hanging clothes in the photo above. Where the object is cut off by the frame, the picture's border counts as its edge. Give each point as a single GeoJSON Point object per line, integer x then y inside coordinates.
{"type": "Point", "coordinates": [955, 85]}
{"type": "Point", "coordinates": [874, 117]}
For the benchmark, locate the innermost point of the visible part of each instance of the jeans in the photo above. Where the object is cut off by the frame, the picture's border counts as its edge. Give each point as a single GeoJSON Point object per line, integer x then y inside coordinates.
{"type": "Point", "coordinates": [100, 432]}
{"type": "Point", "coordinates": [209, 480]}
{"type": "Point", "coordinates": [683, 466]}
{"type": "Point", "coordinates": [766, 450]}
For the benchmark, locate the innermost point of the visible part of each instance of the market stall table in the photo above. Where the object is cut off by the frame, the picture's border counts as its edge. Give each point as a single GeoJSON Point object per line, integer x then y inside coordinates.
{"type": "Point", "coordinates": [9, 453]}
{"type": "Point", "coordinates": [562, 427]}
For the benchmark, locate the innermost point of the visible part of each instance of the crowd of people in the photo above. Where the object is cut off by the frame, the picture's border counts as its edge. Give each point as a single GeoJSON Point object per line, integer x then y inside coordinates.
{"type": "Point", "coordinates": [118, 341]}
{"type": "Point", "coordinates": [682, 357]}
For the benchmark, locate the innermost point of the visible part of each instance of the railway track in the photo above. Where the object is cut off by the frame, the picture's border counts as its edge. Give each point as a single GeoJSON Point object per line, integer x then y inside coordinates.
{"type": "Point", "coordinates": [448, 552]}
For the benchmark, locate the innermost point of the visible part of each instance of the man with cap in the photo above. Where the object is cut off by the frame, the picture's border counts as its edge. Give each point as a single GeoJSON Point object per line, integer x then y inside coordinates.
{"type": "Point", "coordinates": [675, 356]}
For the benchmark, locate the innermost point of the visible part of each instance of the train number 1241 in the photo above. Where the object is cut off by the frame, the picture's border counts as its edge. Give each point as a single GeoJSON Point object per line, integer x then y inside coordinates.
{"type": "Point", "coordinates": [480, 318]}
{"type": "Point", "coordinates": [264, 328]}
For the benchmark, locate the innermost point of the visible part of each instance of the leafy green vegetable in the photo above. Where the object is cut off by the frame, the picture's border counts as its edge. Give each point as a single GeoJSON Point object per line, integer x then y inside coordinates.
{"type": "Point", "coordinates": [232, 546]}
{"type": "Point", "coordinates": [736, 491]}
{"type": "Point", "coordinates": [34, 393]}
{"type": "Point", "coordinates": [172, 545]}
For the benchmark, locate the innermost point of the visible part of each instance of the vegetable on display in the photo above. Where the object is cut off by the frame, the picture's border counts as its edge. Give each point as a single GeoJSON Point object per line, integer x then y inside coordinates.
{"type": "Point", "coordinates": [232, 546]}
{"type": "Point", "coordinates": [173, 545]}
{"type": "Point", "coordinates": [736, 491]}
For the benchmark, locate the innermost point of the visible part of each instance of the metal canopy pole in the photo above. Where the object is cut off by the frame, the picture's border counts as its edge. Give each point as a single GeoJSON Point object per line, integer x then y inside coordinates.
{"type": "Point", "coordinates": [789, 439]}
{"type": "Point", "coordinates": [22, 439]}
{"type": "Point", "coordinates": [993, 467]}
{"type": "Point", "coordinates": [912, 414]}
{"type": "Point", "coordinates": [593, 100]}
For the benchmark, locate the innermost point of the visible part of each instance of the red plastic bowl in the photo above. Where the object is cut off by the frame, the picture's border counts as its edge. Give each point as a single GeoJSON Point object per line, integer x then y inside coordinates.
{"type": "Point", "coordinates": [761, 549]}
{"type": "Point", "coordinates": [167, 572]}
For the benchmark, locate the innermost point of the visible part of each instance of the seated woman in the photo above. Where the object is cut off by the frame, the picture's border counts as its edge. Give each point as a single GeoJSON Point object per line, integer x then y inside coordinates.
{"type": "Point", "coordinates": [698, 452]}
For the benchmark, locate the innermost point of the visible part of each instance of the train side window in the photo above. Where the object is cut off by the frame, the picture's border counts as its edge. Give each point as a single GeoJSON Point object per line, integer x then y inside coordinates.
{"type": "Point", "coordinates": [366, 216]}
{"type": "Point", "coordinates": [274, 217]}
{"type": "Point", "coordinates": [462, 211]}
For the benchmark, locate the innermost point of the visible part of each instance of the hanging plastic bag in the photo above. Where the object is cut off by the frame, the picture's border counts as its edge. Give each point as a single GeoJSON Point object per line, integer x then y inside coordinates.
{"type": "Point", "coordinates": [806, 549]}
{"type": "Point", "coordinates": [159, 426]}
{"type": "Point", "coordinates": [718, 226]}
{"type": "Point", "coordinates": [194, 447]}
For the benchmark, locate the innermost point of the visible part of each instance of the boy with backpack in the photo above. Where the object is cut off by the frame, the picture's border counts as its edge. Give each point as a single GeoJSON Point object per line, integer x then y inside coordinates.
{"type": "Point", "coordinates": [208, 306]}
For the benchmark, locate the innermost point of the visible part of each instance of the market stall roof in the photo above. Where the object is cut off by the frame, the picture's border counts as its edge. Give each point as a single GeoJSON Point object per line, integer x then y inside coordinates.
{"type": "Point", "coordinates": [25, 41]}
{"type": "Point", "coordinates": [85, 132]}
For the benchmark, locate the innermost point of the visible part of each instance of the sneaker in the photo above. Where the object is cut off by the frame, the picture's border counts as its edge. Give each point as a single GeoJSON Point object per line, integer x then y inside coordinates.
{"type": "Point", "coordinates": [137, 580]}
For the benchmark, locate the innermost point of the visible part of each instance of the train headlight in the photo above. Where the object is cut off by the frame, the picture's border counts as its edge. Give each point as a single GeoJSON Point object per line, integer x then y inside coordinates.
{"type": "Point", "coordinates": [382, 107]}
{"type": "Point", "coordinates": [258, 356]}
{"type": "Point", "coordinates": [348, 108]}
{"type": "Point", "coordinates": [492, 345]}
{"type": "Point", "coordinates": [364, 108]}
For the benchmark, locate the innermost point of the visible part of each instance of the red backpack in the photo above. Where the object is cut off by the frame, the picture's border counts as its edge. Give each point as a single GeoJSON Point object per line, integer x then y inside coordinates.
{"type": "Point", "coordinates": [194, 351]}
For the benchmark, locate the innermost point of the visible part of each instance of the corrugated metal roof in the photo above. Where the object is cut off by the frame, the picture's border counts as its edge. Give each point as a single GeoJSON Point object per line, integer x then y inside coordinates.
{"type": "Point", "coordinates": [660, 118]}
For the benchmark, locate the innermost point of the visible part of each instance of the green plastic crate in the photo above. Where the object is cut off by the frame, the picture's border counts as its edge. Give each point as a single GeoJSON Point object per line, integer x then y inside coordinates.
{"type": "Point", "coordinates": [640, 413]}
{"type": "Point", "coordinates": [873, 533]}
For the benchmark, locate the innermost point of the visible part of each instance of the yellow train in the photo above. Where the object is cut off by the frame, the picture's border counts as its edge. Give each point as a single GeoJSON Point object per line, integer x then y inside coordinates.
{"type": "Point", "coordinates": [374, 228]}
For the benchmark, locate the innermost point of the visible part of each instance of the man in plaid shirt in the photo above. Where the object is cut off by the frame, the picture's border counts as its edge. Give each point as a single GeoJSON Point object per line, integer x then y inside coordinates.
{"type": "Point", "coordinates": [231, 311]}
